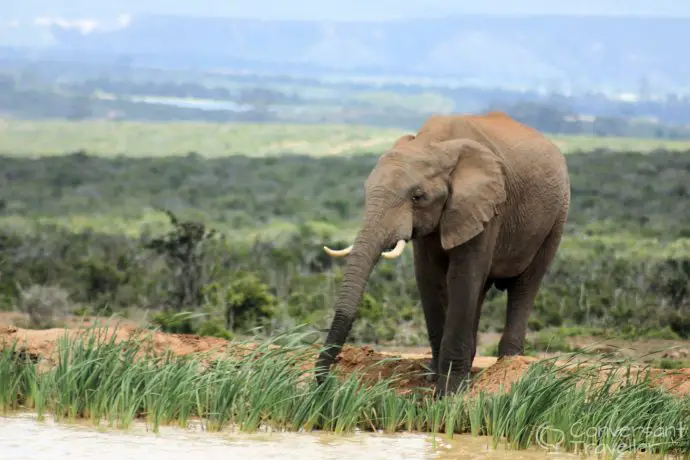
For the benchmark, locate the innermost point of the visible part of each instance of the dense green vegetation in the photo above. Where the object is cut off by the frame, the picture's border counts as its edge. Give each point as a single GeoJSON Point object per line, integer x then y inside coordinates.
{"type": "Point", "coordinates": [101, 380]}
{"type": "Point", "coordinates": [86, 234]}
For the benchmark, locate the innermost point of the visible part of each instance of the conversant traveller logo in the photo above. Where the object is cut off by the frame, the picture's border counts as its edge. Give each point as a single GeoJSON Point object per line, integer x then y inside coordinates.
{"type": "Point", "coordinates": [596, 440]}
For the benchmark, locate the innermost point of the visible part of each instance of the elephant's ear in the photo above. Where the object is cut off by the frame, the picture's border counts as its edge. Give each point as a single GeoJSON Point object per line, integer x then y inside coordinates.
{"type": "Point", "coordinates": [477, 190]}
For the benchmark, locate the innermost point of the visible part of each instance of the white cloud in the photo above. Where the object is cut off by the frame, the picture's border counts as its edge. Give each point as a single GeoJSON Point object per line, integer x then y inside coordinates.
{"type": "Point", "coordinates": [124, 20]}
{"type": "Point", "coordinates": [85, 26]}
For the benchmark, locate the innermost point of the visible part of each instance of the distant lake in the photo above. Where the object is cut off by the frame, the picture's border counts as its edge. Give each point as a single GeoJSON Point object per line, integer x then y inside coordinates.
{"type": "Point", "coordinates": [205, 104]}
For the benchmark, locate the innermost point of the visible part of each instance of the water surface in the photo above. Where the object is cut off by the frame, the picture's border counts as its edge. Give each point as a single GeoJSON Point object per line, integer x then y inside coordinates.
{"type": "Point", "coordinates": [22, 437]}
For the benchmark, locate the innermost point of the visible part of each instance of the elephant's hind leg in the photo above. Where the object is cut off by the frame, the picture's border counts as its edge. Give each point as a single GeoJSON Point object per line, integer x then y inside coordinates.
{"type": "Point", "coordinates": [522, 291]}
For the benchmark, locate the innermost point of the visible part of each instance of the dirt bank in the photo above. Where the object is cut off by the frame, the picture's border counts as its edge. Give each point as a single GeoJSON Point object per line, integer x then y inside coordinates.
{"type": "Point", "coordinates": [490, 373]}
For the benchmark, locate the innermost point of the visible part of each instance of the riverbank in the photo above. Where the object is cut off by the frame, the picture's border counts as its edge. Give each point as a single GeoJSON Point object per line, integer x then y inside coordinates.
{"type": "Point", "coordinates": [119, 375]}
{"type": "Point", "coordinates": [371, 366]}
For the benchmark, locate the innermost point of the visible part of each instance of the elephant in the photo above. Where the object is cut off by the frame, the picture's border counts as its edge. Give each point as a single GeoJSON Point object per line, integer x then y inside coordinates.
{"type": "Point", "coordinates": [484, 200]}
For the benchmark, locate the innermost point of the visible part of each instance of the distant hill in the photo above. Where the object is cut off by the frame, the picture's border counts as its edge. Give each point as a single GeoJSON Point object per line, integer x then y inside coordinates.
{"type": "Point", "coordinates": [616, 53]}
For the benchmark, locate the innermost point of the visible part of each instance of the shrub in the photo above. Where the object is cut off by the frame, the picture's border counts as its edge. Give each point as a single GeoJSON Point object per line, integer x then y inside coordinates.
{"type": "Point", "coordinates": [45, 305]}
{"type": "Point", "coordinates": [246, 301]}
{"type": "Point", "coordinates": [176, 323]}
{"type": "Point", "coordinates": [214, 328]}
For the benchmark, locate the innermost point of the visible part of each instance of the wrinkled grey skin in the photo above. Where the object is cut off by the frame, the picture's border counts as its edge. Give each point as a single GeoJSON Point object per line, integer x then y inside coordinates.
{"type": "Point", "coordinates": [484, 200]}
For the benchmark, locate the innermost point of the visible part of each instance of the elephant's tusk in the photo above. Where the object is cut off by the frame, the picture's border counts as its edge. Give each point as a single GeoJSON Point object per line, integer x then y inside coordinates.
{"type": "Point", "coordinates": [396, 251]}
{"type": "Point", "coordinates": [338, 252]}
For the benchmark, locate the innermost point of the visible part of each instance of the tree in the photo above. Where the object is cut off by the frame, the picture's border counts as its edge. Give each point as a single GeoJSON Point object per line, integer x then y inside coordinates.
{"type": "Point", "coordinates": [182, 249]}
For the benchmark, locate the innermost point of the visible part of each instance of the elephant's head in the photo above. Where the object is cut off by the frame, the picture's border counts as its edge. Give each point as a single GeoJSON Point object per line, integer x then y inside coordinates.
{"type": "Point", "coordinates": [418, 187]}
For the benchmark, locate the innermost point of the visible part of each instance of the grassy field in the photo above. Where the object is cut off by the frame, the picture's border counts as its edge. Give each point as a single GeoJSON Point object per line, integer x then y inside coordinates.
{"type": "Point", "coordinates": [133, 139]}
{"type": "Point", "coordinates": [169, 139]}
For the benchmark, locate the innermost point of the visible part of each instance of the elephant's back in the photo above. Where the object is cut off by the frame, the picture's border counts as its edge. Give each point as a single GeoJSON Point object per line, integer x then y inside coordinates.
{"type": "Point", "coordinates": [497, 130]}
{"type": "Point", "coordinates": [529, 154]}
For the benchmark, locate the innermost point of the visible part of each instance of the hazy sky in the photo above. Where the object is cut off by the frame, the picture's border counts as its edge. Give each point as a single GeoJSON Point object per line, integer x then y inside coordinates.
{"type": "Point", "coordinates": [336, 9]}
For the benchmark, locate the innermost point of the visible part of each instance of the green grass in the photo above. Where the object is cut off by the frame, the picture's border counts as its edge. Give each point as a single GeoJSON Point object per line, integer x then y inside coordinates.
{"type": "Point", "coordinates": [136, 139]}
{"type": "Point", "coordinates": [585, 143]}
{"type": "Point", "coordinates": [133, 139]}
{"type": "Point", "coordinates": [630, 333]}
{"type": "Point", "coordinates": [666, 363]}
{"type": "Point", "coordinates": [543, 341]}
{"type": "Point", "coordinates": [157, 223]}
{"type": "Point", "coordinates": [98, 379]}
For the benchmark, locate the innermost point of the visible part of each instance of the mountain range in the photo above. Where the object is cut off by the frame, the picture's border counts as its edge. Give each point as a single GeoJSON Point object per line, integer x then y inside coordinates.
{"type": "Point", "coordinates": [560, 52]}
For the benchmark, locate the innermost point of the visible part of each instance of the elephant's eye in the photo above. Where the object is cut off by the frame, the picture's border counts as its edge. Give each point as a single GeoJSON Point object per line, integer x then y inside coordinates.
{"type": "Point", "coordinates": [417, 196]}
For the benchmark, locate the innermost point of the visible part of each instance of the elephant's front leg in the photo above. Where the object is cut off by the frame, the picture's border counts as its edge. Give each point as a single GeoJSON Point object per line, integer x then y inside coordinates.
{"type": "Point", "coordinates": [466, 279]}
{"type": "Point", "coordinates": [431, 266]}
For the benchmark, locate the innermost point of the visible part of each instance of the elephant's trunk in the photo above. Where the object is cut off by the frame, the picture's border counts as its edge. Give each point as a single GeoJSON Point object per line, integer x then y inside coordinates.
{"type": "Point", "coordinates": [363, 256]}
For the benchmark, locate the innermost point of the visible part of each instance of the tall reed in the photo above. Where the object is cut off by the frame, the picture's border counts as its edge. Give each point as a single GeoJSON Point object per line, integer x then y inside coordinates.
{"type": "Point", "coordinates": [97, 378]}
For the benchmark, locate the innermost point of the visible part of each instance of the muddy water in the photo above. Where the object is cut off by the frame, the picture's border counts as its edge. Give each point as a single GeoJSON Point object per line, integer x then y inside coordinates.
{"type": "Point", "coordinates": [22, 437]}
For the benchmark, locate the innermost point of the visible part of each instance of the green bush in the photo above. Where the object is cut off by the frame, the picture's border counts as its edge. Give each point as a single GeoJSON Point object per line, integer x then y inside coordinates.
{"type": "Point", "coordinates": [548, 341]}
{"type": "Point", "coordinates": [214, 329]}
{"type": "Point", "coordinates": [176, 323]}
{"type": "Point", "coordinates": [246, 301]}
{"type": "Point", "coordinates": [623, 266]}
{"type": "Point", "coordinates": [672, 364]}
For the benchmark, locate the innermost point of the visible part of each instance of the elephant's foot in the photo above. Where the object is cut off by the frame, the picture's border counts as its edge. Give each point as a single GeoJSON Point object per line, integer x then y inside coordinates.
{"type": "Point", "coordinates": [432, 374]}
{"type": "Point", "coordinates": [454, 383]}
{"type": "Point", "coordinates": [506, 348]}
{"type": "Point", "coordinates": [322, 367]}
